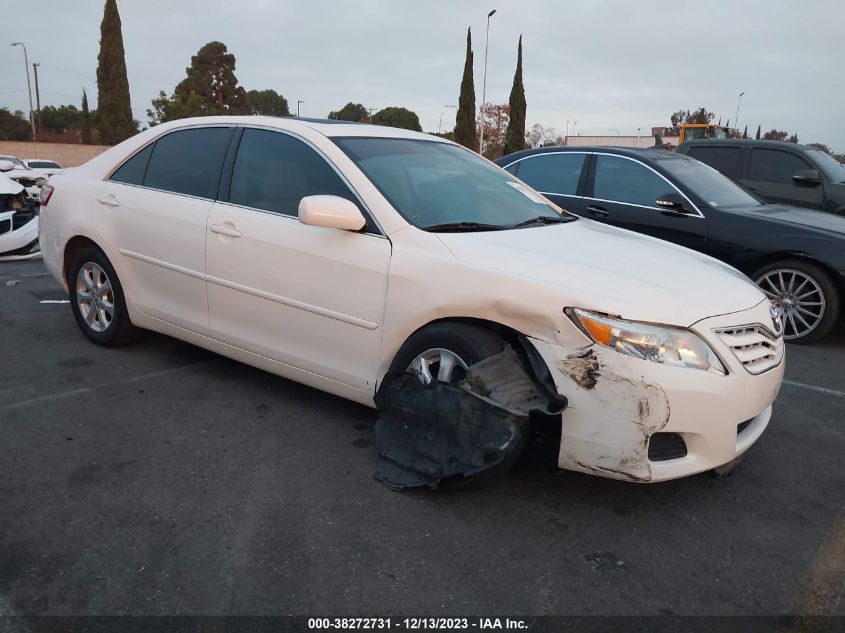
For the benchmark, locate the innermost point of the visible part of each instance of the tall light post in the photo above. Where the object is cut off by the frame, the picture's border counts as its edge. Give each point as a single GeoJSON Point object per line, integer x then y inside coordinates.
{"type": "Point", "coordinates": [297, 108]}
{"type": "Point", "coordinates": [28, 86]}
{"type": "Point", "coordinates": [484, 85]}
{"type": "Point", "coordinates": [736, 119]}
{"type": "Point", "coordinates": [440, 125]}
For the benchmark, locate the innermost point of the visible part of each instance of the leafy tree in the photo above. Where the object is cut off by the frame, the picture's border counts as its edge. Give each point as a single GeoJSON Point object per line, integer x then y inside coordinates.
{"type": "Point", "coordinates": [495, 119]}
{"type": "Point", "coordinates": [397, 117]}
{"type": "Point", "coordinates": [267, 102]}
{"type": "Point", "coordinates": [114, 111]}
{"type": "Point", "coordinates": [821, 146]}
{"type": "Point", "coordinates": [539, 136]}
{"type": "Point", "coordinates": [840, 158]}
{"type": "Point", "coordinates": [701, 115]}
{"type": "Point", "coordinates": [465, 132]}
{"type": "Point", "coordinates": [60, 119]}
{"type": "Point", "coordinates": [515, 134]}
{"type": "Point", "coordinates": [758, 133]}
{"type": "Point", "coordinates": [14, 126]}
{"type": "Point", "coordinates": [211, 76]}
{"type": "Point", "coordinates": [351, 112]}
{"type": "Point", "coordinates": [780, 135]}
{"type": "Point", "coordinates": [177, 107]}
{"type": "Point", "coordinates": [86, 134]}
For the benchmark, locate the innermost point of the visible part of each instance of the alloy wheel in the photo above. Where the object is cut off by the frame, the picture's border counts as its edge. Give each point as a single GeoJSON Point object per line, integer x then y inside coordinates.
{"type": "Point", "coordinates": [800, 296]}
{"type": "Point", "coordinates": [438, 364]}
{"type": "Point", "coordinates": [95, 297]}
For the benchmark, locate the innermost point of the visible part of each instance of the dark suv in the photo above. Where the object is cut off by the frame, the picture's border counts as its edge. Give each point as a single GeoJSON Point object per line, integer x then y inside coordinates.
{"type": "Point", "coordinates": [777, 171]}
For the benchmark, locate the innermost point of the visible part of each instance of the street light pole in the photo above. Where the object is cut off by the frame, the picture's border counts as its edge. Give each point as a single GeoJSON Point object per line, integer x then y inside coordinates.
{"type": "Point", "coordinates": [37, 95]}
{"type": "Point", "coordinates": [736, 119]}
{"type": "Point", "coordinates": [484, 85]}
{"type": "Point", "coordinates": [28, 86]}
{"type": "Point", "coordinates": [297, 108]}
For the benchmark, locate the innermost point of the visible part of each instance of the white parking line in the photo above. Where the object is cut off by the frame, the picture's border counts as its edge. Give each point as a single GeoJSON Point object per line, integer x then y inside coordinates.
{"type": "Point", "coordinates": [825, 390]}
{"type": "Point", "coordinates": [54, 301]}
{"type": "Point", "coordinates": [76, 392]}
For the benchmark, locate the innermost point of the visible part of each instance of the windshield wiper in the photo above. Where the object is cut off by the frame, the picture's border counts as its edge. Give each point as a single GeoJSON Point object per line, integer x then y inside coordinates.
{"type": "Point", "coordinates": [457, 227]}
{"type": "Point", "coordinates": [546, 219]}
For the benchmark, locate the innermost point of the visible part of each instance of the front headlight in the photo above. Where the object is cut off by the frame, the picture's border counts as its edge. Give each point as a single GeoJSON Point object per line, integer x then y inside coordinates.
{"type": "Point", "coordinates": [677, 347]}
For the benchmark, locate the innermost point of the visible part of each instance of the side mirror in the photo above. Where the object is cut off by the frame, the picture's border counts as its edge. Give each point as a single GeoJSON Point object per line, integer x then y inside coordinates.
{"type": "Point", "coordinates": [807, 177]}
{"type": "Point", "coordinates": [6, 165]}
{"type": "Point", "coordinates": [332, 212]}
{"type": "Point", "coordinates": [672, 201]}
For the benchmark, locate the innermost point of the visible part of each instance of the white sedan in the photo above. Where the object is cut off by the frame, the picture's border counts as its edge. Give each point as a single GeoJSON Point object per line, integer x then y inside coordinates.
{"type": "Point", "coordinates": [399, 269]}
{"type": "Point", "coordinates": [43, 167]}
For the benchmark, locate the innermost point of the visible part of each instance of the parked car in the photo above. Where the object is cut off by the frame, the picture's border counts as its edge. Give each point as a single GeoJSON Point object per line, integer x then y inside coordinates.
{"type": "Point", "coordinates": [355, 258]}
{"type": "Point", "coordinates": [777, 171]}
{"type": "Point", "coordinates": [43, 167]}
{"type": "Point", "coordinates": [15, 169]}
{"type": "Point", "coordinates": [797, 256]}
{"type": "Point", "coordinates": [18, 222]}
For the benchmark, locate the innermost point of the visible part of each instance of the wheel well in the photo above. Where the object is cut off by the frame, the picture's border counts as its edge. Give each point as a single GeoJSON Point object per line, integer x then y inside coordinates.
{"type": "Point", "coordinates": [74, 245]}
{"type": "Point", "coordinates": [750, 266]}
{"type": "Point", "coordinates": [533, 362]}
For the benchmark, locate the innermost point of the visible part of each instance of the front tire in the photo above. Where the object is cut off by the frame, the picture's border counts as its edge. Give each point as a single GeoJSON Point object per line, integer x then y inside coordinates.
{"type": "Point", "coordinates": [97, 301]}
{"type": "Point", "coordinates": [808, 296]}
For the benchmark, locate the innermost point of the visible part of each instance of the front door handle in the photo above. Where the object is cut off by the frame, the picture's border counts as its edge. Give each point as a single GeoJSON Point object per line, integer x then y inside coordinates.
{"type": "Point", "coordinates": [594, 209]}
{"type": "Point", "coordinates": [109, 201]}
{"type": "Point", "coordinates": [224, 230]}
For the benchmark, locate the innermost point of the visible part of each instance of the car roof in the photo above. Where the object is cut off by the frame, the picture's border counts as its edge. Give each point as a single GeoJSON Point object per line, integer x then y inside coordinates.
{"type": "Point", "coordinates": [631, 152]}
{"type": "Point", "coordinates": [747, 141]}
{"type": "Point", "coordinates": [327, 127]}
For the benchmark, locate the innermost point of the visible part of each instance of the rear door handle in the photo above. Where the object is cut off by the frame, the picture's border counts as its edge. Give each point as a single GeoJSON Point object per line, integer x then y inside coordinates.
{"type": "Point", "coordinates": [109, 201]}
{"type": "Point", "coordinates": [597, 210]}
{"type": "Point", "coordinates": [224, 230]}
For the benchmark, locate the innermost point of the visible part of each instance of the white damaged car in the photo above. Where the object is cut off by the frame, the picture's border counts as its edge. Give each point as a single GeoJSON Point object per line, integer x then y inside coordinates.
{"type": "Point", "coordinates": [403, 271]}
{"type": "Point", "coordinates": [18, 222]}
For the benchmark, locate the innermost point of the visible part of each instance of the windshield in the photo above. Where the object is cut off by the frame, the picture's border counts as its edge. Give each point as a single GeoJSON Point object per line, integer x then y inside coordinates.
{"type": "Point", "coordinates": [717, 190]}
{"type": "Point", "coordinates": [832, 168]}
{"type": "Point", "coordinates": [42, 164]}
{"type": "Point", "coordinates": [434, 185]}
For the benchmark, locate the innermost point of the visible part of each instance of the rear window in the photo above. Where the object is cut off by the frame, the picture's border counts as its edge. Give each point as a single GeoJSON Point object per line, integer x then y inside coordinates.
{"type": "Point", "coordinates": [552, 173]}
{"type": "Point", "coordinates": [132, 171]}
{"type": "Point", "coordinates": [723, 159]}
{"type": "Point", "coordinates": [42, 164]}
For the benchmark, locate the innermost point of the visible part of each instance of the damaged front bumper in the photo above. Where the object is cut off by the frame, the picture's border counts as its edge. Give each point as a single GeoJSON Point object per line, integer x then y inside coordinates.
{"type": "Point", "coordinates": [642, 421]}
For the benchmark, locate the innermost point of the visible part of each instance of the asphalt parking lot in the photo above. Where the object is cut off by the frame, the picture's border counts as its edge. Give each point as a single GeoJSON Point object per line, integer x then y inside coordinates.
{"type": "Point", "coordinates": [163, 479]}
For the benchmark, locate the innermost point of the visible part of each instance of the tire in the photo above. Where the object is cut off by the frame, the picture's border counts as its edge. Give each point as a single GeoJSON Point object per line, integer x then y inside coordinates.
{"type": "Point", "coordinates": [470, 344]}
{"type": "Point", "coordinates": [97, 301]}
{"type": "Point", "coordinates": [809, 297]}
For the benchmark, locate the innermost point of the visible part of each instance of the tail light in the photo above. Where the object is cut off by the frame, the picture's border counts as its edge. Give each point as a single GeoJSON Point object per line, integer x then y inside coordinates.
{"type": "Point", "coordinates": [44, 196]}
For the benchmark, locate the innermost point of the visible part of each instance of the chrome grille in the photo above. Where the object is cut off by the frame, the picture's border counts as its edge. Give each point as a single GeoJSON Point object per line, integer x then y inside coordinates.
{"type": "Point", "coordinates": [755, 346]}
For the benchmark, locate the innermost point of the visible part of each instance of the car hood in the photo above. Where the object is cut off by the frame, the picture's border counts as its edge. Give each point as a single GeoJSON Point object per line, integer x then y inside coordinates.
{"type": "Point", "coordinates": [827, 222]}
{"type": "Point", "coordinates": [612, 270]}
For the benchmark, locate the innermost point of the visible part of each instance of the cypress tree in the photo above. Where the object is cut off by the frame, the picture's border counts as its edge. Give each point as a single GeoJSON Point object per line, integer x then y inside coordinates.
{"type": "Point", "coordinates": [465, 132]}
{"type": "Point", "coordinates": [758, 133]}
{"type": "Point", "coordinates": [114, 112]}
{"type": "Point", "coordinates": [86, 135]}
{"type": "Point", "coordinates": [515, 134]}
{"type": "Point", "coordinates": [745, 132]}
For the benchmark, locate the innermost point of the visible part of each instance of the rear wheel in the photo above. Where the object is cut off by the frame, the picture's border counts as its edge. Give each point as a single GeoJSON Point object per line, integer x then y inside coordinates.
{"type": "Point", "coordinates": [96, 299]}
{"type": "Point", "coordinates": [808, 296]}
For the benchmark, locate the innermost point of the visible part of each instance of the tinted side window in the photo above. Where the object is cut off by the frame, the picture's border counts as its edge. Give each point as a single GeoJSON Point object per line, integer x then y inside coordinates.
{"type": "Point", "coordinates": [274, 171]}
{"type": "Point", "coordinates": [723, 159]}
{"type": "Point", "coordinates": [773, 165]}
{"type": "Point", "coordinates": [513, 168]}
{"type": "Point", "coordinates": [133, 170]}
{"type": "Point", "coordinates": [189, 161]}
{"type": "Point", "coordinates": [623, 180]}
{"type": "Point", "coordinates": [553, 173]}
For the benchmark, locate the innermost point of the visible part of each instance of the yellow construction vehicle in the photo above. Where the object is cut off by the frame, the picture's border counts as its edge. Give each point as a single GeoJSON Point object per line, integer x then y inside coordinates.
{"type": "Point", "coordinates": [696, 131]}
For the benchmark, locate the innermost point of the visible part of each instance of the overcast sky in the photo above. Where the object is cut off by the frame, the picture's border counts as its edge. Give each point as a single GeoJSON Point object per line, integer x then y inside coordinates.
{"type": "Point", "coordinates": [609, 64]}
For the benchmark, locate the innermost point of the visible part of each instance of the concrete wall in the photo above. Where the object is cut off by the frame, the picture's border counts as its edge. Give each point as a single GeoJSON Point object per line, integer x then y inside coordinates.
{"type": "Point", "coordinates": [618, 141]}
{"type": "Point", "coordinates": [65, 154]}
